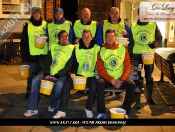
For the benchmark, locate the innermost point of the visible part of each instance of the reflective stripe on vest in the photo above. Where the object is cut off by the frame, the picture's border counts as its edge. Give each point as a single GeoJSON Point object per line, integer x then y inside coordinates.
{"type": "Point", "coordinates": [113, 61]}
{"type": "Point", "coordinates": [60, 56]}
{"type": "Point", "coordinates": [87, 59]}
{"type": "Point", "coordinates": [78, 28]}
{"type": "Point", "coordinates": [117, 27]}
{"type": "Point", "coordinates": [143, 35]}
{"type": "Point", "coordinates": [32, 31]}
{"type": "Point", "coordinates": [54, 29]}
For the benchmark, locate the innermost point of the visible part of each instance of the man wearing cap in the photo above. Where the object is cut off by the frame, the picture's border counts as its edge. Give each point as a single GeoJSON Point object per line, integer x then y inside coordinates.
{"type": "Point", "coordinates": [30, 54]}
{"type": "Point", "coordinates": [57, 25]}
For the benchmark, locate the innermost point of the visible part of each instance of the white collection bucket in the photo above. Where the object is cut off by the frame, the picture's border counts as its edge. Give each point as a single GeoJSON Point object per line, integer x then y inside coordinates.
{"type": "Point", "coordinates": [46, 87]}
{"type": "Point", "coordinates": [79, 82]}
{"type": "Point", "coordinates": [24, 71]}
{"type": "Point", "coordinates": [40, 41]}
{"type": "Point", "coordinates": [117, 113]}
{"type": "Point", "coordinates": [148, 58]}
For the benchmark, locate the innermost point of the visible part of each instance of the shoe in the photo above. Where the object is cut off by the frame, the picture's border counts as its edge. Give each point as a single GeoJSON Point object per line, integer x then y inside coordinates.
{"type": "Point", "coordinates": [59, 114]}
{"type": "Point", "coordinates": [101, 116]}
{"type": "Point", "coordinates": [30, 113]}
{"type": "Point", "coordinates": [151, 102]}
{"type": "Point", "coordinates": [89, 113]}
{"type": "Point", "coordinates": [51, 109]}
{"type": "Point", "coordinates": [126, 117]}
{"type": "Point", "coordinates": [120, 97]}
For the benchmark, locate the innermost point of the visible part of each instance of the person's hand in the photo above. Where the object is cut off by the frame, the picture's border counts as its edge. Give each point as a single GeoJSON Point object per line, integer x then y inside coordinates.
{"type": "Point", "coordinates": [47, 77]}
{"type": "Point", "coordinates": [72, 75]}
{"type": "Point", "coordinates": [116, 83]}
{"type": "Point", "coordinates": [124, 32]}
{"type": "Point", "coordinates": [77, 40]}
{"type": "Point", "coordinates": [54, 78]}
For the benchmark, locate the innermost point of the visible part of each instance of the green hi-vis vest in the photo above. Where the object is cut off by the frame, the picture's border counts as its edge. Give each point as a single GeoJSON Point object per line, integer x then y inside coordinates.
{"type": "Point", "coordinates": [32, 31]}
{"type": "Point", "coordinates": [113, 61]}
{"type": "Point", "coordinates": [143, 35]}
{"type": "Point", "coordinates": [54, 29]}
{"type": "Point", "coordinates": [60, 56]}
{"type": "Point", "coordinates": [87, 59]}
{"type": "Point", "coordinates": [78, 28]}
{"type": "Point", "coordinates": [117, 27]}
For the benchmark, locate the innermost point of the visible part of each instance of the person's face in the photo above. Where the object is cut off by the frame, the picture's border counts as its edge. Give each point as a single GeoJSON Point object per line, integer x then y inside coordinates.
{"type": "Point", "coordinates": [36, 15]}
{"type": "Point", "coordinates": [64, 39]}
{"type": "Point", "coordinates": [86, 37]}
{"type": "Point", "coordinates": [143, 13]}
{"type": "Point", "coordinates": [85, 15]}
{"type": "Point", "coordinates": [114, 14]}
{"type": "Point", "coordinates": [110, 38]}
{"type": "Point", "coordinates": [58, 16]}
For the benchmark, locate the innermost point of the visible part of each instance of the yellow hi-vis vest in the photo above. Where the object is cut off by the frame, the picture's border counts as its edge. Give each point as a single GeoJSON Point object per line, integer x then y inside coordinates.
{"type": "Point", "coordinates": [87, 59]}
{"type": "Point", "coordinates": [54, 29]}
{"type": "Point", "coordinates": [60, 56]}
{"type": "Point", "coordinates": [143, 35]}
{"type": "Point", "coordinates": [113, 61]}
{"type": "Point", "coordinates": [78, 28]}
{"type": "Point", "coordinates": [117, 27]}
{"type": "Point", "coordinates": [32, 31]}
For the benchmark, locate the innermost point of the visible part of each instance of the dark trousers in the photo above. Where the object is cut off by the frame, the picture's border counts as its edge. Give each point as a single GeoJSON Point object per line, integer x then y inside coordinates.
{"type": "Point", "coordinates": [91, 82]}
{"type": "Point", "coordinates": [129, 85]}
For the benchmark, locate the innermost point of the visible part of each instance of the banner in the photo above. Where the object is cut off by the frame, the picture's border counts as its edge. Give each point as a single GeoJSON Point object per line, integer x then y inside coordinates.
{"type": "Point", "coordinates": [87, 122]}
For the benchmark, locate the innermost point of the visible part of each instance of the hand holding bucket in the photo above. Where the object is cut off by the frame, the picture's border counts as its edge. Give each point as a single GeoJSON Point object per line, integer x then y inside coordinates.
{"type": "Point", "coordinates": [40, 41]}
{"type": "Point", "coordinates": [46, 86]}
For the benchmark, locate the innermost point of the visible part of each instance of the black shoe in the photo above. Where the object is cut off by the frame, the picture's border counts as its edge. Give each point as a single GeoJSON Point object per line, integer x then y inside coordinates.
{"type": "Point", "coordinates": [27, 96]}
{"type": "Point", "coordinates": [151, 102]}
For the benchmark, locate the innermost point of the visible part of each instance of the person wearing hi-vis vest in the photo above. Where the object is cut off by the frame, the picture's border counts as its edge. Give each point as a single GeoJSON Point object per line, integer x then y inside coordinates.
{"type": "Point", "coordinates": [113, 67]}
{"type": "Point", "coordinates": [59, 23]}
{"type": "Point", "coordinates": [122, 29]}
{"type": "Point", "coordinates": [84, 23]}
{"type": "Point", "coordinates": [56, 68]}
{"type": "Point", "coordinates": [146, 37]}
{"type": "Point", "coordinates": [31, 55]}
{"type": "Point", "coordinates": [84, 65]}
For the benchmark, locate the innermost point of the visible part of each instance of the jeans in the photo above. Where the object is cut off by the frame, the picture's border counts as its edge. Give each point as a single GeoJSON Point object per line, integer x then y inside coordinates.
{"type": "Point", "coordinates": [33, 98]}
{"type": "Point", "coordinates": [129, 85]}
{"type": "Point", "coordinates": [33, 67]}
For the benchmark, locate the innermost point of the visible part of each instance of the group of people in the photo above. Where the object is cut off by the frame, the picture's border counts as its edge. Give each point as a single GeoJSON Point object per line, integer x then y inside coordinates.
{"type": "Point", "coordinates": [80, 49]}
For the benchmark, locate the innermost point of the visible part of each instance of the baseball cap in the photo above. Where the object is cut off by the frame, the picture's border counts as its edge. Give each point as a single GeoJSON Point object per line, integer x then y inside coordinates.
{"type": "Point", "coordinates": [58, 10]}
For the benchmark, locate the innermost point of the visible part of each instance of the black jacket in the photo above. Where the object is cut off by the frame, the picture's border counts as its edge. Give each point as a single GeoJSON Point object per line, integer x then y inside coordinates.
{"type": "Point", "coordinates": [65, 70]}
{"type": "Point", "coordinates": [24, 46]}
{"type": "Point", "coordinates": [81, 46]}
{"type": "Point", "coordinates": [156, 43]}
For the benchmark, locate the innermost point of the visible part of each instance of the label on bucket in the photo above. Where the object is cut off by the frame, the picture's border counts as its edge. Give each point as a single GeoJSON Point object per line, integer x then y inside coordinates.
{"type": "Point", "coordinates": [79, 81]}
{"type": "Point", "coordinates": [41, 41]}
{"type": "Point", "coordinates": [147, 57]}
{"type": "Point", "coordinates": [21, 73]}
{"type": "Point", "coordinates": [47, 86]}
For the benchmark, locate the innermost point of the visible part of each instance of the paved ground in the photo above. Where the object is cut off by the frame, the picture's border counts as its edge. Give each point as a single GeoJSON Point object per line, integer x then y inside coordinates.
{"type": "Point", "coordinates": [13, 105]}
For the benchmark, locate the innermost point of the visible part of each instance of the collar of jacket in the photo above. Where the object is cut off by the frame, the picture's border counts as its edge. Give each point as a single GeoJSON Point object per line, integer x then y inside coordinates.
{"type": "Point", "coordinates": [141, 23]}
{"type": "Point", "coordinates": [59, 21]}
{"type": "Point", "coordinates": [88, 23]}
{"type": "Point", "coordinates": [82, 46]}
{"type": "Point", "coordinates": [109, 20]}
{"type": "Point", "coordinates": [115, 46]}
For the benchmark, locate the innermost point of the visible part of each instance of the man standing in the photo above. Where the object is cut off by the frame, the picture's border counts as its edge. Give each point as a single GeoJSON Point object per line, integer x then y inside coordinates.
{"type": "Point", "coordinates": [57, 25]}
{"type": "Point", "coordinates": [146, 36]}
{"type": "Point", "coordinates": [84, 23]}
{"type": "Point", "coordinates": [113, 66]}
{"type": "Point", "coordinates": [30, 54]}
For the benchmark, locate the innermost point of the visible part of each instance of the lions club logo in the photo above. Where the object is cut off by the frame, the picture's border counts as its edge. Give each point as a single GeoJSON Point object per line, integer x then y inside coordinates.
{"type": "Point", "coordinates": [113, 62]}
{"type": "Point", "coordinates": [86, 66]}
{"type": "Point", "coordinates": [143, 37]}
